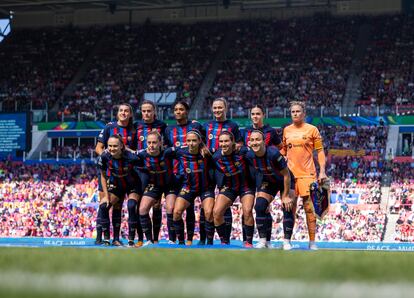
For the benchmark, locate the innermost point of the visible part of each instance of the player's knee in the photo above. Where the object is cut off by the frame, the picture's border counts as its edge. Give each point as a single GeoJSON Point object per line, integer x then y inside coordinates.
{"type": "Point", "coordinates": [208, 213]}
{"type": "Point", "coordinates": [132, 206]}
{"type": "Point", "coordinates": [169, 209]}
{"type": "Point", "coordinates": [307, 205]}
{"type": "Point", "coordinates": [247, 210]}
{"type": "Point", "coordinates": [218, 213]}
{"type": "Point", "coordinates": [261, 206]}
{"type": "Point", "coordinates": [177, 213]}
{"type": "Point", "coordinates": [143, 210]}
{"type": "Point", "coordinates": [247, 214]}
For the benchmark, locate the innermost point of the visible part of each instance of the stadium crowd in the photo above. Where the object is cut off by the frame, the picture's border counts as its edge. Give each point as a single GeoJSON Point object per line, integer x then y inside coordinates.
{"type": "Point", "coordinates": [269, 62]}
{"type": "Point", "coordinates": [273, 62]}
{"type": "Point", "coordinates": [387, 77]}
{"type": "Point", "coordinates": [37, 65]}
{"type": "Point", "coordinates": [400, 202]}
{"type": "Point", "coordinates": [47, 200]}
{"type": "Point", "coordinates": [144, 59]}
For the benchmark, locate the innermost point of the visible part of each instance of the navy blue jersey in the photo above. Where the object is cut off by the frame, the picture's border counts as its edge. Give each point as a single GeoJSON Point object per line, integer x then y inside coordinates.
{"type": "Point", "coordinates": [119, 171]}
{"type": "Point", "coordinates": [268, 166]}
{"type": "Point", "coordinates": [142, 130]}
{"type": "Point", "coordinates": [233, 170]}
{"type": "Point", "coordinates": [176, 135]}
{"type": "Point", "coordinates": [271, 136]}
{"type": "Point", "coordinates": [128, 134]}
{"type": "Point", "coordinates": [197, 176]}
{"type": "Point", "coordinates": [213, 129]}
{"type": "Point", "coordinates": [159, 169]}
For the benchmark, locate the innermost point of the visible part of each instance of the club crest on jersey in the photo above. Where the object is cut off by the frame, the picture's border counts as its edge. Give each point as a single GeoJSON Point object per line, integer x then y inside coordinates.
{"type": "Point", "coordinates": [162, 163]}
{"type": "Point", "coordinates": [141, 138]}
{"type": "Point", "coordinates": [237, 164]}
{"type": "Point", "coordinates": [188, 170]}
{"type": "Point", "coordinates": [184, 191]}
{"type": "Point", "coordinates": [177, 144]}
{"type": "Point", "coordinates": [210, 136]}
{"type": "Point", "coordinates": [129, 138]}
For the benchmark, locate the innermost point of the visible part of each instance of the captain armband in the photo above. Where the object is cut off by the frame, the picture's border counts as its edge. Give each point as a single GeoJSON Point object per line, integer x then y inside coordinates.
{"type": "Point", "coordinates": [318, 145]}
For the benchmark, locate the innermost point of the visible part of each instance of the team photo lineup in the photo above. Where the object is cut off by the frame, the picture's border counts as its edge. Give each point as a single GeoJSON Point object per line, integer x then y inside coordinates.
{"type": "Point", "coordinates": [149, 164]}
{"type": "Point", "coordinates": [207, 148]}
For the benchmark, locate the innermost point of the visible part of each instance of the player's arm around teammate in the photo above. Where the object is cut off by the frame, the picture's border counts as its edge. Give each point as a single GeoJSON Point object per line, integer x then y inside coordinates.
{"type": "Point", "coordinates": [235, 182]}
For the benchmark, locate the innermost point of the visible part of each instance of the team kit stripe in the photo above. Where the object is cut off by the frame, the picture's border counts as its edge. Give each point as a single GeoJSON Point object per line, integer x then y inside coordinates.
{"type": "Point", "coordinates": [121, 173]}
{"type": "Point", "coordinates": [210, 133]}
{"type": "Point", "coordinates": [217, 132]}
{"type": "Point", "coordinates": [196, 175]}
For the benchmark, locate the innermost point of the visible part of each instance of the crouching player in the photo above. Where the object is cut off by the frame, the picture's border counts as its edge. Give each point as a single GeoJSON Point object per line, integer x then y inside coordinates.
{"type": "Point", "coordinates": [157, 165]}
{"type": "Point", "coordinates": [118, 180]}
{"type": "Point", "coordinates": [233, 180]}
{"type": "Point", "coordinates": [197, 182]}
{"type": "Point", "coordinates": [272, 176]}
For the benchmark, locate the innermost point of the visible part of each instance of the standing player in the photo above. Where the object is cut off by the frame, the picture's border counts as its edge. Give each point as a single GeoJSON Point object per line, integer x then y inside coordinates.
{"type": "Point", "coordinates": [118, 180]}
{"type": "Point", "coordinates": [233, 180]}
{"type": "Point", "coordinates": [271, 136]}
{"type": "Point", "coordinates": [300, 139]}
{"type": "Point", "coordinates": [176, 137]}
{"type": "Point", "coordinates": [272, 176]}
{"type": "Point", "coordinates": [124, 127]}
{"type": "Point", "coordinates": [157, 164]}
{"type": "Point", "coordinates": [143, 128]}
{"type": "Point", "coordinates": [197, 182]}
{"type": "Point", "coordinates": [213, 129]}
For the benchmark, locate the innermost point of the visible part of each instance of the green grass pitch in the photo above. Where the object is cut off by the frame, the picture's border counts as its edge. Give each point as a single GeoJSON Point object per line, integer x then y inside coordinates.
{"type": "Point", "coordinates": [185, 266]}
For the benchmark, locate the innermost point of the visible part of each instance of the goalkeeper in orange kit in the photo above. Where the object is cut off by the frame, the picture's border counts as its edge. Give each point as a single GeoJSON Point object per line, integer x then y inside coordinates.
{"type": "Point", "coordinates": [300, 140]}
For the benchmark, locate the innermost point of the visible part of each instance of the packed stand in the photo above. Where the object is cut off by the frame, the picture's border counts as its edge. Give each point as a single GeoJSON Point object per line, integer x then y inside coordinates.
{"type": "Point", "coordinates": [274, 62]}
{"type": "Point", "coordinates": [149, 58]}
{"type": "Point", "coordinates": [401, 200]}
{"type": "Point", "coordinates": [388, 76]}
{"type": "Point", "coordinates": [369, 140]}
{"type": "Point", "coordinates": [47, 200]}
{"type": "Point", "coordinates": [37, 65]}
